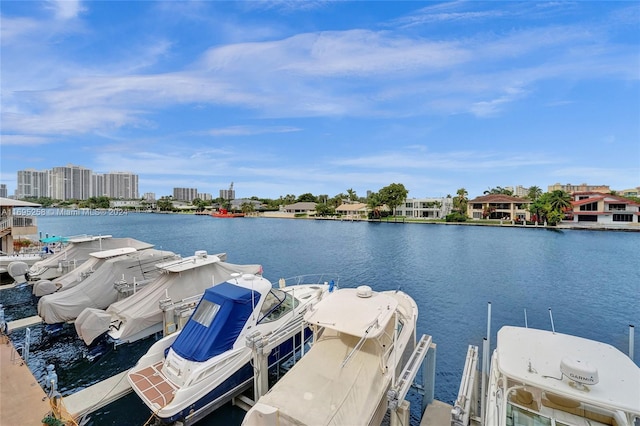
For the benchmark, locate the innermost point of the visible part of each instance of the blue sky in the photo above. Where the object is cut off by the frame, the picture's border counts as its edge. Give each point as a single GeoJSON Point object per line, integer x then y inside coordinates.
{"type": "Point", "coordinates": [290, 97]}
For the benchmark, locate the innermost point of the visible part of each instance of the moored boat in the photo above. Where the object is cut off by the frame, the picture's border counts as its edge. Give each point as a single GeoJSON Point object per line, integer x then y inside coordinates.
{"type": "Point", "coordinates": [362, 340]}
{"type": "Point", "coordinates": [541, 377]}
{"type": "Point", "coordinates": [163, 305]}
{"type": "Point", "coordinates": [224, 213]}
{"type": "Point", "coordinates": [191, 372]}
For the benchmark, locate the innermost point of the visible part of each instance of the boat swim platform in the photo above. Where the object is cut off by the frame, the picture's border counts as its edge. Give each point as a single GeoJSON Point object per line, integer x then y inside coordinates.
{"type": "Point", "coordinates": [98, 395]}
{"type": "Point", "coordinates": [22, 399]}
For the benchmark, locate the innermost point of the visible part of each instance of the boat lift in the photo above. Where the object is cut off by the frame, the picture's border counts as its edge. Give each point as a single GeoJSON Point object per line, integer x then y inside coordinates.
{"type": "Point", "coordinates": [424, 355]}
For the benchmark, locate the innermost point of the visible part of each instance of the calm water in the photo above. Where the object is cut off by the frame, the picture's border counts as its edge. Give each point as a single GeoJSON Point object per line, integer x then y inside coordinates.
{"type": "Point", "coordinates": [590, 280]}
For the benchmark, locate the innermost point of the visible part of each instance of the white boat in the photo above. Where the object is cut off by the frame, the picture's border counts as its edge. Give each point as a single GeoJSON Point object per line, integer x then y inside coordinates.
{"type": "Point", "coordinates": [154, 309]}
{"type": "Point", "coordinates": [67, 253]}
{"type": "Point", "coordinates": [100, 288]}
{"type": "Point", "coordinates": [540, 377]}
{"type": "Point", "coordinates": [362, 340]}
{"type": "Point", "coordinates": [191, 372]}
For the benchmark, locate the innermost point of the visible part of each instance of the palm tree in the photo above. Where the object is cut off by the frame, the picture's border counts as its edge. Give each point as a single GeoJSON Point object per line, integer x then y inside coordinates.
{"type": "Point", "coordinates": [534, 193]}
{"type": "Point", "coordinates": [559, 200]}
{"type": "Point", "coordinates": [460, 200]}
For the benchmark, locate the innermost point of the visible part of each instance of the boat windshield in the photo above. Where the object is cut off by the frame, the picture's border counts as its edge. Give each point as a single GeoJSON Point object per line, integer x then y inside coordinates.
{"type": "Point", "coordinates": [206, 312]}
{"type": "Point", "coordinates": [276, 304]}
{"type": "Point", "coordinates": [517, 416]}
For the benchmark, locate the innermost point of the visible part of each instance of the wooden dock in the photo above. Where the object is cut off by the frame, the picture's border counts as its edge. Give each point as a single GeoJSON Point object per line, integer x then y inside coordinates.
{"type": "Point", "coordinates": [22, 400]}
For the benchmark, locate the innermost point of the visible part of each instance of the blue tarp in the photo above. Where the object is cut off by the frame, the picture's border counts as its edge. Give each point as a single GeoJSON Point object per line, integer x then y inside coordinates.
{"type": "Point", "coordinates": [54, 240]}
{"type": "Point", "coordinates": [199, 343]}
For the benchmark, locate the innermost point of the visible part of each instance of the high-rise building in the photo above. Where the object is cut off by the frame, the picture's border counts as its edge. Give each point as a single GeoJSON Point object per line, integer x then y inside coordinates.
{"type": "Point", "coordinates": [76, 182]}
{"type": "Point", "coordinates": [32, 183]}
{"type": "Point", "coordinates": [97, 185]}
{"type": "Point", "coordinates": [3, 190]}
{"type": "Point", "coordinates": [123, 185]}
{"type": "Point", "coordinates": [228, 194]}
{"type": "Point", "coordinates": [70, 183]}
{"type": "Point", "coordinates": [185, 194]}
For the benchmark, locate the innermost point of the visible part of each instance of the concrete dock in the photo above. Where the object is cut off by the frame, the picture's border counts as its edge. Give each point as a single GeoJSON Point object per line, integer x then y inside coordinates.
{"type": "Point", "coordinates": [22, 400]}
{"type": "Point", "coordinates": [437, 414]}
{"type": "Point", "coordinates": [97, 396]}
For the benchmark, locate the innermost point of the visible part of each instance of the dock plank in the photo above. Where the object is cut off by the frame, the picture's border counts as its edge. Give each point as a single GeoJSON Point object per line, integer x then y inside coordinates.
{"type": "Point", "coordinates": [22, 399]}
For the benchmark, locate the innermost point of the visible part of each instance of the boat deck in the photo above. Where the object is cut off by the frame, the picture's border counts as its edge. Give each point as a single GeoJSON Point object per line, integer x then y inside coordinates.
{"type": "Point", "coordinates": [150, 382]}
{"type": "Point", "coordinates": [22, 400]}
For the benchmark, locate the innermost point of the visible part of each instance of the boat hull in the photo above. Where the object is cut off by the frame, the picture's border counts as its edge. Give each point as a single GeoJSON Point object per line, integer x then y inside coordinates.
{"type": "Point", "coordinates": [236, 383]}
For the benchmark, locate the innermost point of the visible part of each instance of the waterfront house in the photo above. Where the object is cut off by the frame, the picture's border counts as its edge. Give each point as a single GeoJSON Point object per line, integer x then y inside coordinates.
{"type": "Point", "coordinates": [13, 226]}
{"type": "Point", "coordinates": [353, 210]}
{"type": "Point", "coordinates": [425, 208]}
{"type": "Point", "coordinates": [604, 209]}
{"type": "Point", "coordinates": [301, 208]}
{"type": "Point", "coordinates": [499, 207]}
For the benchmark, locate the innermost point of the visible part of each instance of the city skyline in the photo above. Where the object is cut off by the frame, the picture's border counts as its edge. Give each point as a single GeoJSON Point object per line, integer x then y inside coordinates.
{"type": "Point", "coordinates": [319, 97]}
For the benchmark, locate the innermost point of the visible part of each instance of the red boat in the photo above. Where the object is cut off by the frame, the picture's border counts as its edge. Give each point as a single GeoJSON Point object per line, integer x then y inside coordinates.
{"type": "Point", "coordinates": [224, 213]}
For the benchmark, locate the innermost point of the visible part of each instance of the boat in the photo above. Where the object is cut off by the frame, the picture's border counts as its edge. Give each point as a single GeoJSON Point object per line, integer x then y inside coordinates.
{"type": "Point", "coordinates": [224, 213]}
{"type": "Point", "coordinates": [100, 288]}
{"type": "Point", "coordinates": [162, 306]}
{"type": "Point", "coordinates": [186, 375]}
{"type": "Point", "coordinates": [542, 377]}
{"type": "Point", "coordinates": [67, 253]}
{"type": "Point", "coordinates": [361, 341]}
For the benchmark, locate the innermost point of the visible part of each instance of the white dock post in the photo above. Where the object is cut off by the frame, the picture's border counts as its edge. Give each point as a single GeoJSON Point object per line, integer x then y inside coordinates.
{"type": "Point", "coordinates": [261, 371]}
{"type": "Point", "coordinates": [631, 337]}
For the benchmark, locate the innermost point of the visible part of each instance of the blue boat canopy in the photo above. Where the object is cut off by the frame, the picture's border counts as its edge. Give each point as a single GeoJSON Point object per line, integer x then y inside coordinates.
{"type": "Point", "coordinates": [216, 323]}
{"type": "Point", "coordinates": [54, 240]}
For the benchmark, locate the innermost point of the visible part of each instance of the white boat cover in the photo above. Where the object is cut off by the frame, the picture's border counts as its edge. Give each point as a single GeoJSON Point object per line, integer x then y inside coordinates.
{"type": "Point", "coordinates": [97, 290]}
{"type": "Point", "coordinates": [318, 391]}
{"type": "Point", "coordinates": [68, 280]}
{"type": "Point", "coordinates": [78, 250]}
{"type": "Point", "coordinates": [141, 310]}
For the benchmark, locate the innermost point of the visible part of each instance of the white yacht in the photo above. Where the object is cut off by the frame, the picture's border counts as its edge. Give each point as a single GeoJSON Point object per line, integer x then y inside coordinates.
{"type": "Point", "coordinates": [189, 373]}
{"type": "Point", "coordinates": [546, 378]}
{"type": "Point", "coordinates": [362, 340]}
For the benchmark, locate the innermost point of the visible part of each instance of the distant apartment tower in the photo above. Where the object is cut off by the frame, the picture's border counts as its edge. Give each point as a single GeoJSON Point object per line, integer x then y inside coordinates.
{"type": "Point", "coordinates": [579, 188]}
{"type": "Point", "coordinates": [70, 183]}
{"type": "Point", "coordinates": [121, 185]}
{"type": "Point", "coordinates": [32, 183]}
{"type": "Point", "coordinates": [97, 185]}
{"type": "Point", "coordinates": [205, 196]}
{"type": "Point", "coordinates": [3, 190]}
{"type": "Point", "coordinates": [185, 194]}
{"type": "Point", "coordinates": [228, 194]}
{"type": "Point", "coordinates": [518, 191]}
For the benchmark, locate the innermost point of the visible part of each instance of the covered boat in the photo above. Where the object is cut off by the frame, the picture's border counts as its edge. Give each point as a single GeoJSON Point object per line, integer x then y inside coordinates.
{"type": "Point", "coordinates": [186, 375]}
{"type": "Point", "coordinates": [142, 315]}
{"type": "Point", "coordinates": [72, 253]}
{"type": "Point", "coordinates": [99, 289]}
{"type": "Point", "coordinates": [361, 341]}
